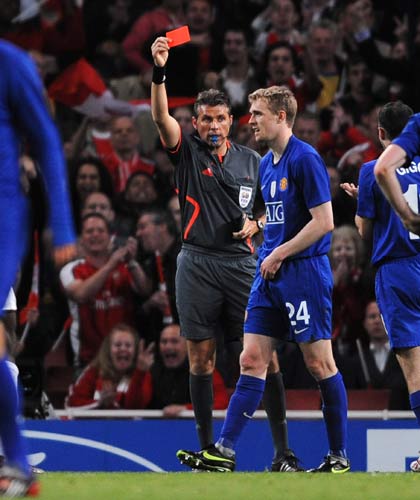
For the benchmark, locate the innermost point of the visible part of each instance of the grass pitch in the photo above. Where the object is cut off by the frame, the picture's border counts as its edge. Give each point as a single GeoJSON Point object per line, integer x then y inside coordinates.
{"type": "Point", "coordinates": [205, 486]}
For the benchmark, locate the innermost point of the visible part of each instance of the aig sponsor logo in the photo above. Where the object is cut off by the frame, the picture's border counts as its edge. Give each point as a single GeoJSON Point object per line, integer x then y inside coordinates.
{"type": "Point", "coordinates": [274, 212]}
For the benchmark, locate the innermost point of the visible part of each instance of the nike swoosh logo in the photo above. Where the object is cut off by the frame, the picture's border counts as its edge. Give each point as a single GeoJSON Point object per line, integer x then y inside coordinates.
{"type": "Point", "coordinates": [301, 330]}
{"type": "Point", "coordinates": [339, 471]}
{"type": "Point", "coordinates": [245, 414]}
{"type": "Point", "coordinates": [214, 458]}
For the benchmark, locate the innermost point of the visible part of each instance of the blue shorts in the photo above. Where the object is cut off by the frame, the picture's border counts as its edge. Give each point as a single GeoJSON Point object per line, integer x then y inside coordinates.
{"type": "Point", "coordinates": [397, 287]}
{"type": "Point", "coordinates": [13, 240]}
{"type": "Point", "coordinates": [296, 305]}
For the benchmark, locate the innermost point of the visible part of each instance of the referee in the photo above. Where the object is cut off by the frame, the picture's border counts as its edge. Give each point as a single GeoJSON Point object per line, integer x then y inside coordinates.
{"type": "Point", "coordinates": [217, 182]}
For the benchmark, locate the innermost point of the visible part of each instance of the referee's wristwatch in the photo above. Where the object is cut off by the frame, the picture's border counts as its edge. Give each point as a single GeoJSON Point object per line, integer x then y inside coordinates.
{"type": "Point", "coordinates": [260, 225]}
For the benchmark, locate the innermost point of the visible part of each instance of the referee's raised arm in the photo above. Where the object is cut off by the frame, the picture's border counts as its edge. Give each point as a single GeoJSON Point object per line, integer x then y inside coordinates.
{"type": "Point", "coordinates": [168, 127]}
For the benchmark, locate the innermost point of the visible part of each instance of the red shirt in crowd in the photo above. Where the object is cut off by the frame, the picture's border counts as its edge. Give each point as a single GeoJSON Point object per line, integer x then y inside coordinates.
{"type": "Point", "coordinates": [113, 304]}
{"type": "Point", "coordinates": [132, 392]}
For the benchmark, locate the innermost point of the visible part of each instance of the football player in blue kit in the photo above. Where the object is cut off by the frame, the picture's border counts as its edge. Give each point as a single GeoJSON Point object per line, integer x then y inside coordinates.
{"type": "Point", "coordinates": [396, 240]}
{"type": "Point", "coordinates": [24, 116]}
{"type": "Point", "coordinates": [290, 298]}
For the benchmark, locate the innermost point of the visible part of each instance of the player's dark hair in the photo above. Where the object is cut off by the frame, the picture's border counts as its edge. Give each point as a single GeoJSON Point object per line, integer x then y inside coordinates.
{"type": "Point", "coordinates": [211, 97]}
{"type": "Point", "coordinates": [393, 117]}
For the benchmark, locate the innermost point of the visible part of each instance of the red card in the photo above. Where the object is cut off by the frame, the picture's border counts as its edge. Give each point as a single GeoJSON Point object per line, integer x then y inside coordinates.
{"type": "Point", "coordinates": [179, 36]}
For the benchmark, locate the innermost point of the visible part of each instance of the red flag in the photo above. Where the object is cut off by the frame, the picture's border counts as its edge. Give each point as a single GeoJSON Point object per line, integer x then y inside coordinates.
{"type": "Point", "coordinates": [173, 102]}
{"type": "Point", "coordinates": [81, 87]}
{"type": "Point", "coordinates": [76, 83]}
{"type": "Point", "coordinates": [33, 299]}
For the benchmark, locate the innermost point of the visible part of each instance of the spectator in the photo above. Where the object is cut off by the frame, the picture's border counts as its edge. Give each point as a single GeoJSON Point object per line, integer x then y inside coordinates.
{"type": "Point", "coordinates": [56, 28]}
{"type": "Point", "coordinates": [358, 91]}
{"type": "Point", "coordinates": [118, 377]}
{"type": "Point", "coordinates": [323, 40]}
{"type": "Point", "coordinates": [89, 137]}
{"type": "Point", "coordinates": [405, 71]}
{"type": "Point", "coordinates": [167, 16]}
{"type": "Point", "coordinates": [88, 175]}
{"type": "Point", "coordinates": [157, 237]}
{"type": "Point", "coordinates": [307, 127]}
{"type": "Point", "coordinates": [97, 202]}
{"type": "Point", "coordinates": [277, 23]}
{"type": "Point", "coordinates": [140, 193]}
{"type": "Point", "coordinates": [190, 62]}
{"type": "Point", "coordinates": [238, 77]}
{"type": "Point", "coordinates": [343, 141]}
{"type": "Point", "coordinates": [313, 11]}
{"type": "Point", "coordinates": [106, 21]}
{"type": "Point", "coordinates": [281, 68]}
{"type": "Point", "coordinates": [383, 369]}
{"type": "Point", "coordinates": [170, 376]}
{"type": "Point", "coordinates": [349, 291]}
{"type": "Point", "coordinates": [184, 116]}
{"type": "Point", "coordinates": [244, 135]}
{"type": "Point", "coordinates": [121, 155]}
{"type": "Point", "coordinates": [100, 288]}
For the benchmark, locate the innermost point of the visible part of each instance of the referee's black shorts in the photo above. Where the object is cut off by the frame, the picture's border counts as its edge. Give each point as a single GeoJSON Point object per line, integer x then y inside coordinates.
{"type": "Point", "coordinates": [212, 291]}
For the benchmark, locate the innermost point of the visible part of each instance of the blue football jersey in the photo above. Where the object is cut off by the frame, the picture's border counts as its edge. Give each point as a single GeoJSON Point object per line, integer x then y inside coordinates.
{"type": "Point", "coordinates": [290, 188]}
{"type": "Point", "coordinates": [390, 238]}
{"type": "Point", "coordinates": [409, 139]}
{"type": "Point", "coordinates": [24, 115]}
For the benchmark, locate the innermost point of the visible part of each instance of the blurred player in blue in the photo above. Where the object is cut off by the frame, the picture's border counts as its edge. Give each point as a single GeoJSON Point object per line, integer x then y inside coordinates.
{"type": "Point", "coordinates": [291, 295]}
{"type": "Point", "coordinates": [396, 249]}
{"type": "Point", "coordinates": [24, 119]}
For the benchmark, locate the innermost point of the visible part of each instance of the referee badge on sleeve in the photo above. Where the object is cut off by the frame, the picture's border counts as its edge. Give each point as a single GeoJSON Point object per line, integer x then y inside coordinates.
{"type": "Point", "coordinates": [245, 194]}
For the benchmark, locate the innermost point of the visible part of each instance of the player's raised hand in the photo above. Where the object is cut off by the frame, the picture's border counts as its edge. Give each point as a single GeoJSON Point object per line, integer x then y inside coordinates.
{"type": "Point", "coordinates": [160, 51]}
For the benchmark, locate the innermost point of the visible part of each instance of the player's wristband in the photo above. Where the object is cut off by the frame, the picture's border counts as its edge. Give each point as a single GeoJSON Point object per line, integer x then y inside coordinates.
{"type": "Point", "coordinates": [159, 74]}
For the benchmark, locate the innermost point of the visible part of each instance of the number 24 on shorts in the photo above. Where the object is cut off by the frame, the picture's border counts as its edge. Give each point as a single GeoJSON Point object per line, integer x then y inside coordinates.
{"type": "Point", "coordinates": [301, 314]}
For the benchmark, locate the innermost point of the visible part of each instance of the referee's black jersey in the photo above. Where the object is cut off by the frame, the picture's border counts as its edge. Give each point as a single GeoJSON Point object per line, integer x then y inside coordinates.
{"type": "Point", "coordinates": [214, 195]}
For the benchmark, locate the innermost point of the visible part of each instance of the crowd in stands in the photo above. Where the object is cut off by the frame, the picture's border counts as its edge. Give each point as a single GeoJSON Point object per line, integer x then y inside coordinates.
{"type": "Point", "coordinates": [343, 59]}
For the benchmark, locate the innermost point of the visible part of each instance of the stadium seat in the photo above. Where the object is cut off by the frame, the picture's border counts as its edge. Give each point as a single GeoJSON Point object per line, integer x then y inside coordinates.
{"type": "Point", "coordinates": [58, 376]}
{"type": "Point", "coordinates": [303, 399]}
{"type": "Point", "coordinates": [57, 383]}
{"type": "Point", "coordinates": [368, 399]}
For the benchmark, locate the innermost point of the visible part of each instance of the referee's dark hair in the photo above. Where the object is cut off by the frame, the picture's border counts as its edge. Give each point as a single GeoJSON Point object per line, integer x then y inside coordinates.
{"type": "Point", "coordinates": [393, 117]}
{"type": "Point", "coordinates": [211, 97]}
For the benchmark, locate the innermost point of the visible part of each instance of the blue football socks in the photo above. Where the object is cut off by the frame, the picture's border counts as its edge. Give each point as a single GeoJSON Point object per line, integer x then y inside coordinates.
{"type": "Point", "coordinates": [242, 405]}
{"type": "Point", "coordinates": [10, 432]}
{"type": "Point", "coordinates": [415, 404]}
{"type": "Point", "coordinates": [334, 408]}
